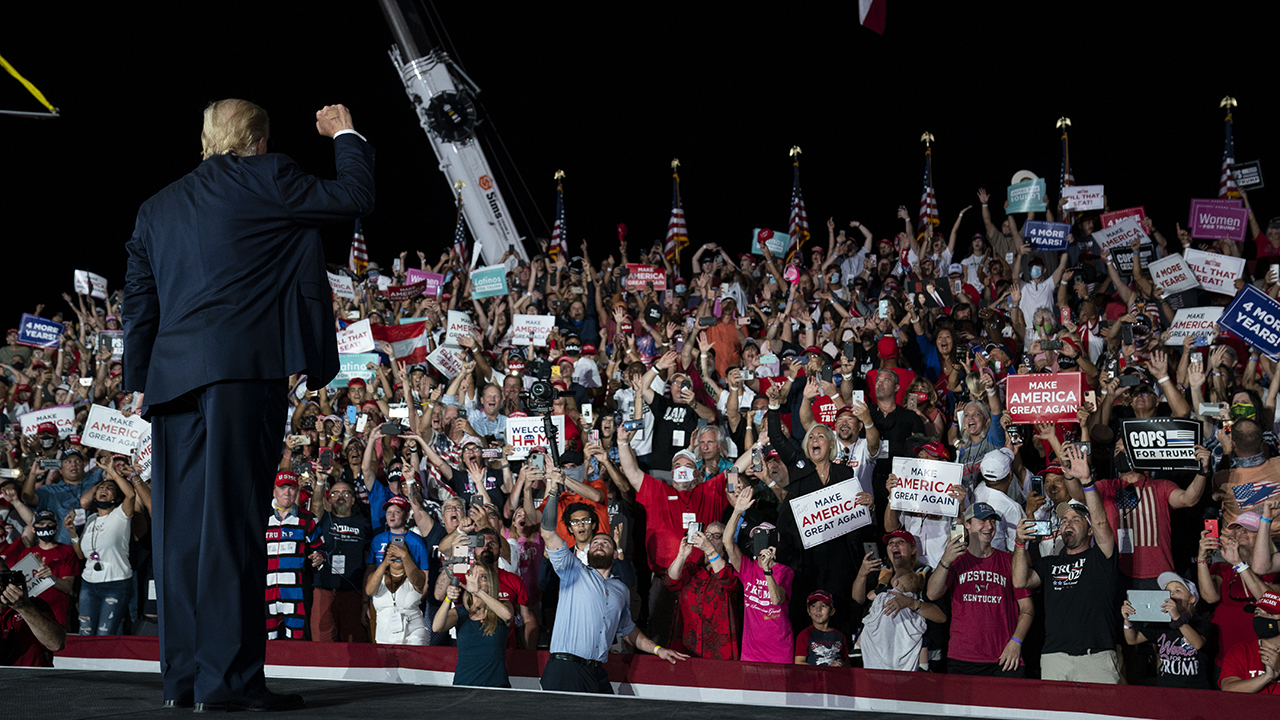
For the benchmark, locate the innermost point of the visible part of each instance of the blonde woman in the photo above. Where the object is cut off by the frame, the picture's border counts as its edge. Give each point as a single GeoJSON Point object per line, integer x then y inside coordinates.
{"type": "Point", "coordinates": [483, 622]}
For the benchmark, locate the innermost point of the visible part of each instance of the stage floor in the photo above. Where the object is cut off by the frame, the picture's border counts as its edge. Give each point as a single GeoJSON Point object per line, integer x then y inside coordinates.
{"type": "Point", "coordinates": [77, 694]}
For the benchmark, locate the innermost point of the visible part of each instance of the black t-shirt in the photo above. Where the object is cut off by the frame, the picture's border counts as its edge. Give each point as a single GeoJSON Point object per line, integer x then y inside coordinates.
{"type": "Point", "coordinates": [673, 426]}
{"type": "Point", "coordinates": [432, 540]}
{"type": "Point", "coordinates": [896, 428]}
{"type": "Point", "coordinates": [1079, 600]}
{"type": "Point", "coordinates": [346, 543]}
{"type": "Point", "coordinates": [461, 484]}
{"type": "Point", "coordinates": [1181, 665]}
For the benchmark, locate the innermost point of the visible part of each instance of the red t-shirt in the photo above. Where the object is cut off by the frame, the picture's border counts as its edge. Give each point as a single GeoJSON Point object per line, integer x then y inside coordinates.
{"type": "Point", "coordinates": [905, 378]}
{"type": "Point", "coordinates": [62, 562]}
{"type": "Point", "coordinates": [667, 507]}
{"type": "Point", "coordinates": [1244, 661]}
{"type": "Point", "coordinates": [18, 645]}
{"type": "Point", "coordinates": [1234, 625]}
{"type": "Point", "coordinates": [512, 589]}
{"type": "Point", "coordinates": [1145, 526]}
{"type": "Point", "coordinates": [984, 606]}
{"type": "Point", "coordinates": [567, 498]}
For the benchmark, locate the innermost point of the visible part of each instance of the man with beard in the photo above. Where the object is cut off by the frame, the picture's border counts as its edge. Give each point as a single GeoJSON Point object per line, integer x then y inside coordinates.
{"type": "Point", "coordinates": [896, 425]}
{"type": "Point", "coordinates": [338, 600]}
{"type": "Point", "coordinates": [594, 608]}
{"type": "Point", "coordinates": [1040, 507]}
{"type": "Point", "coordinates": [62, 497]}
{"type": "Point", "coordinates": [1079, 586]}
{"type": "Point", "coordinates": [854, 450]}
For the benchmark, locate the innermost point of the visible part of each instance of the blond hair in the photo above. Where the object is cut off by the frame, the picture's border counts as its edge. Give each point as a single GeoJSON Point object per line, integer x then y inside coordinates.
{"type": "Point", "coordinates": [232, 127]}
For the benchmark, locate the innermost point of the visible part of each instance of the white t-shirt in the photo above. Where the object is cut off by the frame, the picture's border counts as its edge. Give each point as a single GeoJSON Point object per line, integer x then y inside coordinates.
{"type": "Point", "coordinates": [891, 642]}
{"type": "Point", "coordinates": [858, 458]}
{"type": "Point", "coordinates": [642, 441]}
{"type": "Point", "coordinates": [931, 533]}
{"type": "Point", "coordinates": [108, 536]}
{"type": "Point", "coordinates": [745, 397]}
{"type": "Point", "coordinates": [971, 265]}
{"type": "Point", "coordinates": [1036, 295]}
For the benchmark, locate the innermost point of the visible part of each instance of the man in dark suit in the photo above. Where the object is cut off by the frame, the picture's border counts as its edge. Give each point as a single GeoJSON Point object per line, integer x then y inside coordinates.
{"type": "Point", "coordinates": [225, 297]}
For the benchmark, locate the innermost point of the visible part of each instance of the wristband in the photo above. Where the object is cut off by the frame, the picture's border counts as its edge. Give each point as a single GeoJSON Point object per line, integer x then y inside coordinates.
{"type": "Point", "coordinates": [1241, 567]}
{"type": "Point", "coordinates": [775, 407]}
{"type": "Point", "coordinates": [1266, 519]}
{"type": "Point", "coordinates": [1019, 544]}
{"type": "Point", "coordinates": [1015, 639]}
{"type": "Point", "coordinates": [944, 566]}
{"type": "Point", "coordinates": [656, 648]}
{"type": "Point", "coordinates": [713, 558]}
{"type": "Point", "coordinates": [1162, 380]}
{"type": "Point", "coordinates": [1128, 627]}
{"type": "Point", "coordinates": [769, 573]}
{"type": "Point", "coordinates": [1089, 488]}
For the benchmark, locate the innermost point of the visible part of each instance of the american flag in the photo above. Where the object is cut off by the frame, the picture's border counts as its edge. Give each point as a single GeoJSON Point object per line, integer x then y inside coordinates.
{"type": "Point", "coordinates": [1066, 177]}
{"type": "Point", "coordinates": [558, 242]}
{"type": "Point", "coordinates": [928, 203]}
{"type": "Point", "coordinates": [1179, 438]}
{"type": "Point", "coordinates": [798, 225]}
{"type": "Point", "coordinates": [460, 235]}
{"type": "Point", "coordinates": [677, 235]}
{"type": "Point", "coordinates": [1227, 183]}
{"type": "Point", "coordinates": [1250, 494]}
{"type": "Point", "coordinates": [1139, 513]}
{"type": "Point", "coordinates": [358, 260]}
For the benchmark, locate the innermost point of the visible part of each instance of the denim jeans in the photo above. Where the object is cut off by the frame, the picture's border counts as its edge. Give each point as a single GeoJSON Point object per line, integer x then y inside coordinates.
{"type": "Point", "coordinates": [103, 607]}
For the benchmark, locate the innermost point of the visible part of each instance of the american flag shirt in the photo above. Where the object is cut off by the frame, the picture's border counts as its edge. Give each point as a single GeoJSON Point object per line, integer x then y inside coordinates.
{"type": "Point", "coordinates": [1139, 517]}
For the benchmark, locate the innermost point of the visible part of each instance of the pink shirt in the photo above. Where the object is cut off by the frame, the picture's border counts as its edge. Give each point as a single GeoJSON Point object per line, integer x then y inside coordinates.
{"type": "Point", "coordinates": [766, 629]}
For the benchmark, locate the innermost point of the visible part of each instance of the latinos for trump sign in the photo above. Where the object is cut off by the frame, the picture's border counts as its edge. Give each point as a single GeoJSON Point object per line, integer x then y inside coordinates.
{"type": "Point", "coordinates": [776, 242]}
{"type": "Point", "coordinates": [1255, 318]}
{"type": "Point", "coordinates": [1193, 322]}
{"type": "Point", "coordinates": [489, 281]}
{"type": "Point", "coordinates": [829, 513]}
{"type": "Point", "coordinates": [924, 486]}
{"type": "Point", "coordinates": [107, 429]}
{"type": "Point", "coordinates": [1046, 235]}
{"type": "Point", "coordinates": [1161, 443]}
{"type": "Point", "coordinates": [641, 275]}
{"type": "Point", "coordinates": [38, 332]}
{"type": "Point", "coordinates": [1042, 397]}
{"type": "Point", "coordinates": [527, 433]}
{"type": "Point", "coordinates": [1173, 274]}
{"type": "Point", "coordinates": [355, 365]}
{"type": "Point", "coordinates": [1217, 221]}
{"type": "Point", "coordinates": [1027, 196]}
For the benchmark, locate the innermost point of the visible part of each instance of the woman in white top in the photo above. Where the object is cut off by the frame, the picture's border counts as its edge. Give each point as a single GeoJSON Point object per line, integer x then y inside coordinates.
{"type": "Point", "coordinates": [104, 546]}
{"type": "Point", "coordinates": [396, 600]}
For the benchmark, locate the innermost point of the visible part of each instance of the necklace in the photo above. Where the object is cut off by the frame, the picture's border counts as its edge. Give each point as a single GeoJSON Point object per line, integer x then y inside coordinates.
{"type": "Point", "coordinates": [93, 543]}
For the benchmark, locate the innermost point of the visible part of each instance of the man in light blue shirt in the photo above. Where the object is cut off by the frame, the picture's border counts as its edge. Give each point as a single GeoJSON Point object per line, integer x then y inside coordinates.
{"type": "Point", "coordinates": [594, 608]}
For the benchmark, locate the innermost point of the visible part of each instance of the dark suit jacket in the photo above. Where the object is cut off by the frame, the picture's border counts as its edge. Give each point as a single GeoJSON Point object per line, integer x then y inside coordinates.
{"type": "Point", "coordinates": [226, 277]}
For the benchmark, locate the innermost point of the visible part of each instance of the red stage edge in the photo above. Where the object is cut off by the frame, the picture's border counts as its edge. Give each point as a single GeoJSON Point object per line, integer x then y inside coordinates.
{"type": "Point", "coordinates": [716, 681]}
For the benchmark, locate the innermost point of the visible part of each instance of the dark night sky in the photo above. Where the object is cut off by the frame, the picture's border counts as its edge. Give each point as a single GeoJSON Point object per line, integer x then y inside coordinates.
{"type": "Point", "coordinates": [612, 98]}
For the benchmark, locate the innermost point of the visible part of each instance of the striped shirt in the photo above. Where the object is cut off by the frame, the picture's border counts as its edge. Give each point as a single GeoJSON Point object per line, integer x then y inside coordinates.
{"type": "Point", "coordinates": [1142, 531]}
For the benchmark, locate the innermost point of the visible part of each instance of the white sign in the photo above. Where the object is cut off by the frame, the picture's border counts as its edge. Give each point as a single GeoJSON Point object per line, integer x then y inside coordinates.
{"type": "Point", "coordinates": [144, 457]}
{"type": "Point", "coordinates": [91, 284]}
{"type": "Point", "coordinates": [1173, 274]}
{"type": "Point", "coordinates": [532, 329]}
{"type": "Point", "coordinates": [1193, 322]}
{"type": "Point", "coordinates": [1216, 273]}
{"type": "Point", "coordinates": [64, 416]}
{"type": "Point", "coordinates": [447, 360]}
{"type": "Point", "coordinates": [1083, 197]}
{"type": "Point", "coordinates": [384, 282]}
{"type": "Point", "coordinates": [924, 486]}
{"type": "Point", "coordinates": [341, 286]}
{"type": "Point", "coordinates": [526, 433]}
{"type": "Point", "coordinates": [829, 513]}
{"type": "Point", "coordinates": [459, 325]}
{"type": "Point", "coordinates": [1122, 234]}
{"type": "Point", "coordinates": [107, 429]}
{"type": "Point", "coordinates": [357, 338]}
{"type": "Point", "coordinates": [28, 567]}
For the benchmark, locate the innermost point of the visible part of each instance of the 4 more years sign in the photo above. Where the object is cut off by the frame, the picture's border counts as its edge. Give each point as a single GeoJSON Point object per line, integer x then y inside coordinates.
{"type": "Point", "coordinates": [1041, 397]}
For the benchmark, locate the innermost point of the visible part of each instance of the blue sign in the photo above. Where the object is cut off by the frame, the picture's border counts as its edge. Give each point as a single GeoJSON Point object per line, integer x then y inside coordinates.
{"type": "Point", "coordinates": [38, 332]}
{"type": "Point", "coordinates": [1255, 318]}
{"type": "Point", "coordinates": [354, 365]}
{"type": "Point", "coordinates": [489, 282]}
{"type": "Point", "coordinates": [1047, 235]}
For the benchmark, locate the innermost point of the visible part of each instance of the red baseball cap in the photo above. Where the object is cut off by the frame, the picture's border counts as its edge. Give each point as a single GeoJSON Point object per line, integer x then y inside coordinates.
{"type": "Point", "coordinates": [1052, 469]}
{"type": "Point", "coordinates": [1269, 603]}
{"type": "Point", "coordinates": [771, 454]}
{"type": "Point", "coordinates": [887, 347]}
{"type": "Point", "coordinates": [515, 365]}
{"type": "Point", "coordinates": [589, 349]}
{"type": "Point", "coordinates": [356, 381]}
{"type": "Point", "coordinates": [819, 596]}
{"type": "Point", "coordinates": [284, 477]}
{"type": "Point", "coordinates": [46, 427]}
{"type": "Point", "coordinates": [399, 501]}
{"type": "Point", "coordinates": [903, 534]}
{"type": "Point", "coordinates": [846, 410]}
{"type": "Point", "coordinates": [935, 449]}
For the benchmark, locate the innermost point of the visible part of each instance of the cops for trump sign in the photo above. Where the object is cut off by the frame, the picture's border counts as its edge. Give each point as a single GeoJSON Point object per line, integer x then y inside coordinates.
{"type": "Point", "coordinates": [829, 513]}
{"type": "Point", "coordinates": [1161, 443]}
{"type": "Point", "coordinates": [924, 486]}
{"type": "Point", "coordinates": [1041, 397]}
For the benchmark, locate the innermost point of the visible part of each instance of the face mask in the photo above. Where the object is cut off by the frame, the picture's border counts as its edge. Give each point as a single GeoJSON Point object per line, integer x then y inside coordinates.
{"type": "Point", "coordinates": [835, 278]}
{"type": "Point", "coordinates": [680, 288]}
{"type": "Point", "coordinates": [47, 443]}
{"type": "Point", "coordinates": [1036, 272]}
{"type": "Point", "coordinates": [576, 474]}
{"type": "Point", "coordinates": [759, 416]}
{"type": "Point", "coordinates": [682, 475]}
{"type": "Point", "coordinates": [46, 533]}
{"type": "Point", "coordinates": [1265, 628]}
{"type": "Point", "coordinates": [104, 504]}
{"type": "Point", "coordinates": [1242, 410]}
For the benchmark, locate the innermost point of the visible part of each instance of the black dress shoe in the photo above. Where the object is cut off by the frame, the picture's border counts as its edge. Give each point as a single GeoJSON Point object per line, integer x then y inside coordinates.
{"type": "Point", "coordinates": [175, 704]}
{"type": "Point", "coordinates": [203, 707]}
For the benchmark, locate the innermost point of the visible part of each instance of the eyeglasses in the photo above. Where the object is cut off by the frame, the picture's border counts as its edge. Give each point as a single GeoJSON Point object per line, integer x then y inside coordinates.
{"type": "Point", "coordinates": [343, 493]}
{"type": "Point", "coordinates": [713, 536]}
{"type": "Point", "coordinates": [580, 522]}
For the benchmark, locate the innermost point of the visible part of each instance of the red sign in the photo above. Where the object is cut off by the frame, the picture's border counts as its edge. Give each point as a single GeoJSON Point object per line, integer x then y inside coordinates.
{"type": "Point", "coordinates": [1111, 218]}
{"type": "Point", "coordinates": [485, 182]}
{"type": "Point", "coordinates": [642, 275]}
{"type": "Point", "coordinates": [1041, 397]}
{"type": "Point", "coordinates": [824, 410]}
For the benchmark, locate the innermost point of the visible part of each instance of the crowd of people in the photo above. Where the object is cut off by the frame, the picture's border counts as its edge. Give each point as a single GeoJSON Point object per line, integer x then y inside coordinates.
{"type": "Point", "coordinates": [693, 414]}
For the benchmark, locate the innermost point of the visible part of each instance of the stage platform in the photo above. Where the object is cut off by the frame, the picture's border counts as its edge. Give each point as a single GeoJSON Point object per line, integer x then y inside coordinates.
{"type": "Point", "coordinates": [119, 676]}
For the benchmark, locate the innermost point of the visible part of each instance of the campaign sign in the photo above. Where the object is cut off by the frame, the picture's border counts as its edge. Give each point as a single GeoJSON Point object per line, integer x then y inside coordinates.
{"type": "Point", "coordinates": [1047, 235]}
{"type": "Point", "coordinates": [642, 275]}
{"type": "Point", "coordinates": [527, 433]}
{"type": "Point", "coordinates": [1123, 257]}
{"type": "Point", "coordinates": [356, 338]}
{"type": "Point", "coordinates": [1173, 274]}
{"type": "Point", "coordinates": [1193, 322]}
{"type": "Point", "coordinates": [144, 457]}
{"type": "Point", "coordinates": [1248, 175]}
{"type": "Point", "coordinates": [38, 332]}
{"type": "Point", "coordinates": [1043, 397]}
{"type": "Point", "coordinates": [29, 566]}
{"type": "Point", "coordinates": [829, 513]}
{"type": "Point", "coordinates": [352, 366]}
{"type": "Point", "coordinates": [447, 359]}
{"type": "Point", "coordinates": [1215, 221]}
{"type": "Point", "coordinates": [489, 281]}
{"type": "Point", "coordinates": [383, 282]}
{"type": "Point", "coordinates": [90, 284]}
{"type": "Point", "coordinates": [459, 326]}
{"type": "Point", "coordinates": [341, 286]}
{"type": "Point", "coordinates": [1121, 233]}
{"type": "Point", "coordinates": [532, 329]}
{"type": "Point", "coordinates": [1083, 197]}
{"type": "Point", "coordinates": [1215, 272]}
{"type": "Point", "coordinates": [1161, 443]}
{"type": "Point", "coordinates": [924, 486]}
{"type": "Point", "coordinates": [113, 339]}
{"type": "Point", "coordinates": [63, 416]}
{"type": "Point", "coordinates": [399, 293]}
{"type": "Point", "coordinates": [107, 429]}
{"type": "Point", "coordinates": [1255, 318]}
{"type": "Point", "coordinates": [776, 242]}
{"type": "Point", "coordinates": [1026, 196]}
{"type": "Point", "coordinates": [1137, 213]}
{"type": "Point", "coordinates": [434, 281]}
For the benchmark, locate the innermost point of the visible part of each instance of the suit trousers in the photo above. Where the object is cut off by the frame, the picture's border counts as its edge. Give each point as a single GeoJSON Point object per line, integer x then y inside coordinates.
{"type": "Point", "coordinates": [215, 450]}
